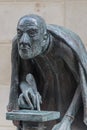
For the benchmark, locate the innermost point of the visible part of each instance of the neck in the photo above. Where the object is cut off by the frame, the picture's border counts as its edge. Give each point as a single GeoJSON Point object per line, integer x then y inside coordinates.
{"type": "Point", "coordinates": [47, 46]}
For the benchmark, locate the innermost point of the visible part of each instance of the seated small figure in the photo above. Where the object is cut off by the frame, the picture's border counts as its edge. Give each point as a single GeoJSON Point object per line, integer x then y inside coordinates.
{"type": "Point", "coordinates": [29, 89]}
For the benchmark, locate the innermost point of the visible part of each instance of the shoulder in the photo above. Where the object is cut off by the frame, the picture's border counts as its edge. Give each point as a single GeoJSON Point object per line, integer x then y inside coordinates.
{"type": "Point", "coordinates": [62, 49]}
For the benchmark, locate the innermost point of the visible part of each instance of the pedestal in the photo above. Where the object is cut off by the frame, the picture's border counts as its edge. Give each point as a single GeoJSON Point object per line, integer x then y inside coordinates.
{"type": "Point", "coordinates": [39, 126]}
{"type": "Point", "coordinates": [32, 119]}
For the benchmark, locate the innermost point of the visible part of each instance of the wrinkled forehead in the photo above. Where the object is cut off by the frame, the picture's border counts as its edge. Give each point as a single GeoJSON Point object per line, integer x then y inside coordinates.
{"type": "Point", "coordinates": [28, 23]}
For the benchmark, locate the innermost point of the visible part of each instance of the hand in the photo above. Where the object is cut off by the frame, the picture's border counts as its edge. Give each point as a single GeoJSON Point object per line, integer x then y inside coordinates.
{"type": "Point", "coordinates": [12, 106]}
{"type": "Point", "coordinates": [9, 109]}
{"type": "Point", "coordinates": [29, 99]}
{"type": "Point", "coordinates": [65, 124]}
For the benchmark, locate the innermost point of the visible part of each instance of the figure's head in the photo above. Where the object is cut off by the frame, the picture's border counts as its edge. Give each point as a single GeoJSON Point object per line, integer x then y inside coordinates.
{"type": "Point", "coordinates": [32, 36]}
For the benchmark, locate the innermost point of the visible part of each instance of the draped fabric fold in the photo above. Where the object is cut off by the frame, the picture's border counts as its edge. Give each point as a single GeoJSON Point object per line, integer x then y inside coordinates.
{"type": "Point", "coordinates": [74, 42]}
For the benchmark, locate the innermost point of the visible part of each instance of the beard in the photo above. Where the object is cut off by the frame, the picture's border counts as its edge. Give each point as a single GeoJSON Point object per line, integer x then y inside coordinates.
{"type": "Point", "coordinates": [36, 48]}
{"type": "Point", "coordinates": [29, 53]}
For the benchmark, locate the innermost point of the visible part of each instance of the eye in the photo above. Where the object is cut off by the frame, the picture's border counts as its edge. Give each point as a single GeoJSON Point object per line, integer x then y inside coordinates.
{"type": "Point", "coordinates": [32, 32]}
{"type": "Point", "coordinates": [19, 32]}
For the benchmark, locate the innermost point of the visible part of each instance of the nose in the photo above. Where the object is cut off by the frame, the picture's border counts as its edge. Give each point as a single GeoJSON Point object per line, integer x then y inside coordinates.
{"type": "Point", "coordinates": [25, 40]}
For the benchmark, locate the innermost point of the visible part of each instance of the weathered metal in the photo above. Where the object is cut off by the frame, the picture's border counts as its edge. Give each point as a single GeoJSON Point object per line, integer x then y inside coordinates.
{"type": "Point", "coordinates": [55, 60]}
{"type": "Point", "coordinates": [32, 115]}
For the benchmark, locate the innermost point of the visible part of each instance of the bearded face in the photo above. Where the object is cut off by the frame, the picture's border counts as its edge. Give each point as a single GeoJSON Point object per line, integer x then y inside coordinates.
{"type": "Point", "coordinates": [31, 38]}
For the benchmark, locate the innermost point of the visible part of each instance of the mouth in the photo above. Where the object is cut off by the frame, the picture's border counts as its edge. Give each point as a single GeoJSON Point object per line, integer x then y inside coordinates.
{"type": "Point", "coordinates": [25, 48]}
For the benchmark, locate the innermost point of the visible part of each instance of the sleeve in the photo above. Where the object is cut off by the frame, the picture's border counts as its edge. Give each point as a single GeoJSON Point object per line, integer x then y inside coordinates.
{"type": "Point", "coordinates": [13, 97]}
{"type": "Point", "coordinates": [69, 57]}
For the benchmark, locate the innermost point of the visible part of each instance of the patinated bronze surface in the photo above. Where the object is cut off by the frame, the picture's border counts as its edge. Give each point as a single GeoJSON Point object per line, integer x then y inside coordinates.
{"type": "Point", "coordinates": [55, 60]}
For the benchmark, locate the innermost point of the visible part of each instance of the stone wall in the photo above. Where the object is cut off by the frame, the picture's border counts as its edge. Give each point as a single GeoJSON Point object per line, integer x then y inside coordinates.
{"type": "Point", "coordinates": [69, 13]}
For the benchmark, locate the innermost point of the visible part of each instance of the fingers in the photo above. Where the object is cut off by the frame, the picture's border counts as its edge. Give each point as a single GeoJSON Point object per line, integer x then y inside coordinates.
{"type": "Point", "coordinates": [12, 106]}
{"type": "Point", "coordinates": [9, 109]}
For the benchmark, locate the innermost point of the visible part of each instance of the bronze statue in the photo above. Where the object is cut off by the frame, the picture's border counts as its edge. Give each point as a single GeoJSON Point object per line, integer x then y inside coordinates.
{"type": "Point", "coordinates": [49, 73]}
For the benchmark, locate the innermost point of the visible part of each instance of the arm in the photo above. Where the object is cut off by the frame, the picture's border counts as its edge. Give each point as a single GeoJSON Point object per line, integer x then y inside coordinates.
{"type": "Point", "coordinates": [83, 91]}
{"type": "Point", "coordinates": [74, 106]}
{"type": "Point", "coordinates": [68, 118]}
{"type": "Point", "coordinates": [13, 97]}
{"type": "Point", "coordinates": [71, 61]}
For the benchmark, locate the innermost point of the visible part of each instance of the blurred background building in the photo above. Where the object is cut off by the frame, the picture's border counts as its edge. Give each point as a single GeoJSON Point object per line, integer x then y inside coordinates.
{"type": "Point", "coordinates": [69, 13]}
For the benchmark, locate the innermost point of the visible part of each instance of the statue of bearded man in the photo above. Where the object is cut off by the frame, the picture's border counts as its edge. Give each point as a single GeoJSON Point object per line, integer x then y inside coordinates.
{"type": "Point", "coordinates": [49, 68]}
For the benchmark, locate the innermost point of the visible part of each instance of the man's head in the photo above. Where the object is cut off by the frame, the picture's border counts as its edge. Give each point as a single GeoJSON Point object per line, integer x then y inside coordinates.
{"type": "Point", "coordinates": [32, 36]}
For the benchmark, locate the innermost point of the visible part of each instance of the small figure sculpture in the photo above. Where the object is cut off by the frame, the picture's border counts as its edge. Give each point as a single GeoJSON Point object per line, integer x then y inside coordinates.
{"type": "Point", "coordinates": [29, 88]}
{"type": "Point", "coordinates": [49, 71]}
